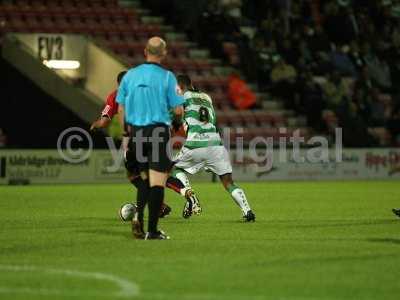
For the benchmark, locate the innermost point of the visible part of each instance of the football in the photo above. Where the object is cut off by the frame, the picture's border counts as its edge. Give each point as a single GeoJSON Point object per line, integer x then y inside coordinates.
{"type": "Point", "coordinates": [127, 211]}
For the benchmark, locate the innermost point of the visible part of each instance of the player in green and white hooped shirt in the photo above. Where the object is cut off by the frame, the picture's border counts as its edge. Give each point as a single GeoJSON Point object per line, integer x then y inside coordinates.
{"type": "Point", "coordinates": [203, 146]}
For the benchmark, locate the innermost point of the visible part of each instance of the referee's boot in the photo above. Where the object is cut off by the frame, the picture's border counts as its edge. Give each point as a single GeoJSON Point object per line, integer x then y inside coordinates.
{"type": "Point", "coordinates": [159, 235]}
{"type": "Point", "coordinates": [396, 211]}
{"type": "Point", "coordinates": [249, 217]}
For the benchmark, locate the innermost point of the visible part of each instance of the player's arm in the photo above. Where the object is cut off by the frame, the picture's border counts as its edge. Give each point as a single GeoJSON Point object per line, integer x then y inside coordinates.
{"type": "Point", "coordinates": [178, 117]}
{"type": "Point", "coordinates": [175, 101]}
{"type": "Point", "coordinates": [102, 122]}
{"type": "Point", "coordinates": [108, 112]}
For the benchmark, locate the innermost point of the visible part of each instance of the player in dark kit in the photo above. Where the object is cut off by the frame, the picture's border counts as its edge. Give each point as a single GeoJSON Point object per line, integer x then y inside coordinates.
{"type": "Point", "coordinates": [396, 211]}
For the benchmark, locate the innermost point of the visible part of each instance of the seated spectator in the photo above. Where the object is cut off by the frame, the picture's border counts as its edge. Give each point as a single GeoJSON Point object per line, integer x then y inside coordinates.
{"type": "Point", "coordinates": [265, 54]}
{"type": "Point", "coordinates": [340, 24]}
{"type": "Point", "coordinates": [379, 71]}
{"type": "Point", "coordinates": [394, 58]}
{"type": "Point", "coordinates": [289, 52]}
{"type": "Point", "coordinates": [355, 55]}
{"type": "Point", "coordinates": [283, 72]}
{"type": "Point", "coordinates": [393, 125]}
{"type": "Point", "coordinates": [312, 103]}
{"type": "Point", "coordinates": [306, 58]}
{"type": "Point", "coordinates": [318, 40]}
{"type": "Point", "coordinates": [283, 77]}
{"type": "Point", "coordinates": [378, 110]}
{"type": "Point", "coordinates": [232, 8]}
{"type": "Point", "coordinates": [342, 62]}
{"type": "Point", "coordinates": [355, 131]}
{"type": "Point", "coordinates": [362, 99]}
{"type": "Point", "coordinates": [239, 92]}
{"type": "Point", "coordinates": [334, 90]}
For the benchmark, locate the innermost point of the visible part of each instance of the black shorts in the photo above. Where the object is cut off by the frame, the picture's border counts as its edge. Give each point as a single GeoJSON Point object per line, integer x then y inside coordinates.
{"type": "Point", "coordinates": [149, 148]}
{"type": "Point", "coordinates": [131, 164]}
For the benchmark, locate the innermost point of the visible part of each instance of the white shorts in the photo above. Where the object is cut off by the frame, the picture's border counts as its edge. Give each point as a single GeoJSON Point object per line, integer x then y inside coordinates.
{"type": "Point", "coordinates": [214, 158]}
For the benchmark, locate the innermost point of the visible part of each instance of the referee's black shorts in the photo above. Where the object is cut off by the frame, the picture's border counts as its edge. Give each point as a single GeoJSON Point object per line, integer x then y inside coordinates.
{"type": "Point", "coordinates": [151, 144]}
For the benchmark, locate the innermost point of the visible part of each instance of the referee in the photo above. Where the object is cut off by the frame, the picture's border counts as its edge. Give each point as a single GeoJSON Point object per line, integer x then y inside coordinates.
{"type": "Point", "coordinates": [146, 95]}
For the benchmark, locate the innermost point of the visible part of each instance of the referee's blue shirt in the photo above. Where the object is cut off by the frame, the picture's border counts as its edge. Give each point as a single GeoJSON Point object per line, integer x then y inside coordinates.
{"type": "Point", "coordinates": [147, 93]}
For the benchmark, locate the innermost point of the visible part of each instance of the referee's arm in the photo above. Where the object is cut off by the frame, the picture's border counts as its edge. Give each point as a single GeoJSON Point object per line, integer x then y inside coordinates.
{"type": "Point", "coordinates": [121, 95]}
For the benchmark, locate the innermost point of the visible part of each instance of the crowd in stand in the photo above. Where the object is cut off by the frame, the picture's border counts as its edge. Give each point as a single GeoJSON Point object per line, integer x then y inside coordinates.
{"type": "Point", "coordinates": [336, 55]}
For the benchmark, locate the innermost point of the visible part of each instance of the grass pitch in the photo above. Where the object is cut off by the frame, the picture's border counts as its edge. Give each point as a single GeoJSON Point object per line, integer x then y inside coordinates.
{"type": "Point", "coordinates": [310, 241]}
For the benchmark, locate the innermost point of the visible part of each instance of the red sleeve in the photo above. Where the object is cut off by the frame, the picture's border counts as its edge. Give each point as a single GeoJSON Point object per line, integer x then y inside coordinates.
{"type": "Point", "coordinates": [111, 107]}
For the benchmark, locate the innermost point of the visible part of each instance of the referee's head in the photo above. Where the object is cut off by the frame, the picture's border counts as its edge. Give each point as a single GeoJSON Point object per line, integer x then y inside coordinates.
{"type": "Point", "coordinates": [156, 49]}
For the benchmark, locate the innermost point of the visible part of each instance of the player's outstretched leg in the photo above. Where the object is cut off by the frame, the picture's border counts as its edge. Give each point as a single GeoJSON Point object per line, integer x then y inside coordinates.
{"type": "Point", "coordinates": [238, 196]}
{"type": "Point", "coordinates": [179, 182]}
{"type": "Point", "coordinates": [396, 211]}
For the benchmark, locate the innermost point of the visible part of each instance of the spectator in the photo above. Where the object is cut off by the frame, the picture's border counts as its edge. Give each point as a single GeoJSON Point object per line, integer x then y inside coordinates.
{"type": "Point", "coordinates": [378, 110]}
{"type": "Point", "coordinates": [289, 52]}
{"type": "Point", "coordinates": [233, 8]}
{"type": "Point", "coordinates": [283, 77]}
{"type": "Point", "coordinates": [318, 40]}
{"type": "Point", "coordinates": [355, 56]}
{"type": "Point", "coordinates": [283, 72]}
{"type": "Point", "coordinates": [342, 62]}
{"type": "Point", "coordinates": [265, 55]}
{"type": "Point", "coordinates": [312, 102]}
{"type": "Point", "coordinates": [355, 133]}
{"type": "Point", "coordinates": [340, 24]}
{"type": "Point", "coordinates": [379, 71]}
{"type": "Point", "coordinates": [306, 57]}
{"type": "Point", "coordinates": [239, 92]}
{"type": "Point", "coordinates": [393, 125]}
{"type": "Point", "coordinates": [334, 90]}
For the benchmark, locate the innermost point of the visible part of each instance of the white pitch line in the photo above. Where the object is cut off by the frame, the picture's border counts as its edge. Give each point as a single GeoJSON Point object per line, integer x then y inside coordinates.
{"type": "Point", "coordinates": [126, 288]}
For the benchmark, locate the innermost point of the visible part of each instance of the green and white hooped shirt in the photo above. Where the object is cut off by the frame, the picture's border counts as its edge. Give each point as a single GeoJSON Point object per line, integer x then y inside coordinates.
{"type": "Point", "coordinates": [200, 133]}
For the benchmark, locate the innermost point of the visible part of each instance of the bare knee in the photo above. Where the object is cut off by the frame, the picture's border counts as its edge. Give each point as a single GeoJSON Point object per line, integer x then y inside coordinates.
{"type": "Point", "coordinates": [157, 178]}
{"type": "Point", "coordinates": [226, 180]}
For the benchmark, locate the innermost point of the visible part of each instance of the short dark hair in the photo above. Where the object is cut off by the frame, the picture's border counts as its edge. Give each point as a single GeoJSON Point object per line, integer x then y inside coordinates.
{"type": "Point", "coordinates": [120, 76]}
{"type": "Point", "coordinates": [184, 80]}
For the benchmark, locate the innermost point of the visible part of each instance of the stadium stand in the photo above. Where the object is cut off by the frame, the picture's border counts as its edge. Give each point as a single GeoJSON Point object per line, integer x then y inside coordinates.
{"type": "Point", "coordinates": [313, 37]}
{"type": "Point", "coordinates": [124, 29]}
{"type": "Point", "coordinates": [240, 35]}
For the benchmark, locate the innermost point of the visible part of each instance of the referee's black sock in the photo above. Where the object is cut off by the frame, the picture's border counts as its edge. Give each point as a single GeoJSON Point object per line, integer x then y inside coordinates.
{"type": "Point", "coordinates": [142, 197]}
{"type": "Point", "coordinates": [155, 201]}
{"type": "Point", "coordinates": [136, 181]}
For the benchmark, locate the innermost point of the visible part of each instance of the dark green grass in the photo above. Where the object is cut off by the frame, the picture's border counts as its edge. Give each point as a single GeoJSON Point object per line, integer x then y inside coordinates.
{"type": "Point", "coordinates": [310, 241]}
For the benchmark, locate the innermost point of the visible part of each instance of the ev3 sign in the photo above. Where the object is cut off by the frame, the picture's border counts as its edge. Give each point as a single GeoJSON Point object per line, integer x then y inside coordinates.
{"type": "Point", "coordinates": [50, 47]}
{"type": "Point", "coordinates": [55, 46]}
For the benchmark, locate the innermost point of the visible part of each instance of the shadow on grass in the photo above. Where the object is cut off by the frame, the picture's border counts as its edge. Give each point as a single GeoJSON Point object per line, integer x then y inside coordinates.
{"type": "Point", "coordinates": [328, 259]}
{"type": "Point", "coordinates": [297, 223]}
{"type": "Point", "coordinates": [385, 240]}
{"type": "Point", "coordinates": [331, 223]}
{"type": "Point", "coordinates": [108, 232]}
